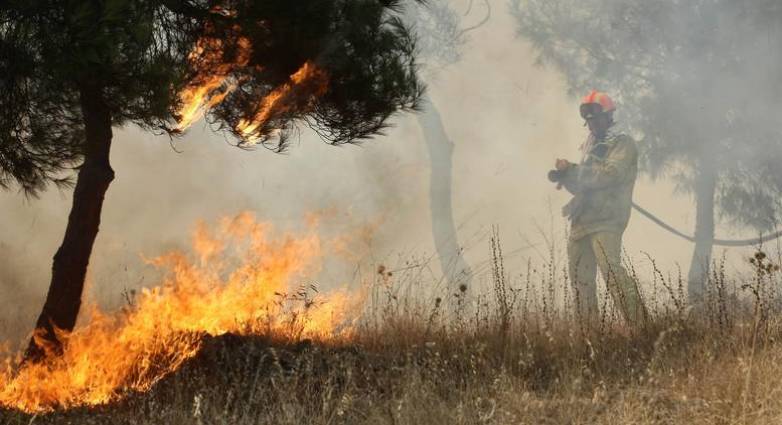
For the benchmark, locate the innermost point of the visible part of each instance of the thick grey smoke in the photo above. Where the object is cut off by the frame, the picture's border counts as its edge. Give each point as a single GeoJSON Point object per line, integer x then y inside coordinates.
{"type": "Point", "coordinates": [508, 117]}
{"type": "Point", "coordinates": [699, 82]}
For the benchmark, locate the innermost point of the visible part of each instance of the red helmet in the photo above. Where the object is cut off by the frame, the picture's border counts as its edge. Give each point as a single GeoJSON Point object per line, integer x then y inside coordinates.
{"type": "Point", "coordinates": [596, 103]}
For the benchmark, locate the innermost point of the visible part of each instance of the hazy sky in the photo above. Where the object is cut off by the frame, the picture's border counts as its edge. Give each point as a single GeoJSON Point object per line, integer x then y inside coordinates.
{"type": "Point", "coordinates": [508, 118]}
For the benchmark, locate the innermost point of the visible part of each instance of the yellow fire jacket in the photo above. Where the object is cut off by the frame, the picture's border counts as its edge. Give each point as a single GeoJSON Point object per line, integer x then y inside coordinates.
{"type": "Point", "coordinates": [602, 186]}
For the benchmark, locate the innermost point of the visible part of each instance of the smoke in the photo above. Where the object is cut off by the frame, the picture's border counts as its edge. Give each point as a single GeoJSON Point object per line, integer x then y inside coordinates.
{"type": "Point", "coordinates": [696, 81]}
{"type": "Point", "coordinates": [508, 117]}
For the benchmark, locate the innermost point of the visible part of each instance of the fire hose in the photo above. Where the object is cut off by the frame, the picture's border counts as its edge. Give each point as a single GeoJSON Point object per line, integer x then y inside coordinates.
{"type": "Point", "coordinates": [553, 176]}
{"type": "Point", "coordinates": [718, 242]}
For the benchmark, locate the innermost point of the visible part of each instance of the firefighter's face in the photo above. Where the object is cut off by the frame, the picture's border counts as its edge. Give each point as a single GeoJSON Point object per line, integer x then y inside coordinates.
{"type": "Point", "coordinates": [599, 124]}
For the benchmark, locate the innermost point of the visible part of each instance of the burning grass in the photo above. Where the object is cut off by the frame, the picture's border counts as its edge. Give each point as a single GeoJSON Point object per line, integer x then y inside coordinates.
{"type": "Point", "coordinates": [239, 281]}
{"type": "Point", "coordinates": [520, 356]}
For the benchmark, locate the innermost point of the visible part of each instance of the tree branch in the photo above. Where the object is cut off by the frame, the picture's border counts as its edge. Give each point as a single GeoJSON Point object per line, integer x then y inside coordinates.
{"type": "Point", "coordinates": [482, 22]}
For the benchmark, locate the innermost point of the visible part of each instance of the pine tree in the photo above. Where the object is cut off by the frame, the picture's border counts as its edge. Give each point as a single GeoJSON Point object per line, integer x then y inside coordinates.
{"type": "Point", "coordinates": [72, 71]}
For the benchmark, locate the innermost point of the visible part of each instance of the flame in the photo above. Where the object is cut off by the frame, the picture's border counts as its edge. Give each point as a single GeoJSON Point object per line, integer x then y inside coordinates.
{"type": "Point", "coordinates": [217, 77]}
{"type": "Point", "coordinates": [214, 82]}
{"type": "Point", "coordinates": [308, 74]}
{"type": "Point", "coordinates": [232, 284]}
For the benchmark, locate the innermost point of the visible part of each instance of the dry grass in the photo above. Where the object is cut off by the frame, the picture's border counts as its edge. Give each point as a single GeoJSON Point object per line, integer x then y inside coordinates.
{"type": "Point", "coordinates": [519, 357]}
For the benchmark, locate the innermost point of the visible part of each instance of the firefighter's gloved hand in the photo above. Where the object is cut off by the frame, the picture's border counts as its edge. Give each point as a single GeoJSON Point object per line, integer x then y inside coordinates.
{"type": "Point", "coordinates": [555, 176]}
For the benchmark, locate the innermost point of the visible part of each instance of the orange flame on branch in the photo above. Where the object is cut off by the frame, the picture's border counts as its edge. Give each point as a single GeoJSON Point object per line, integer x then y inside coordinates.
{"type": "Point", "coordinates": [232, 285]}
{"type": "Point", "coordinates": [309, 77]}
{"type": "Point", "coordinates": [215, 79]}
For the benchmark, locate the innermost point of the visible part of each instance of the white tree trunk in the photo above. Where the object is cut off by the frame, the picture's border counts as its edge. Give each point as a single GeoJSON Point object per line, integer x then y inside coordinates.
{"type": "Point", "coordinates": [446, 239]}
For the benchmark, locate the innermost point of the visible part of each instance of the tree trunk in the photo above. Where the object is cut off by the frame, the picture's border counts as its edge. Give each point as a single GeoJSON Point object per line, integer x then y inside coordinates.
{"type": "Point", "coordinates": [705, 187]}
{"type": "Point", "coordinates": [69, 268]}
{"type": "Point", "coordinates": [446, 240]}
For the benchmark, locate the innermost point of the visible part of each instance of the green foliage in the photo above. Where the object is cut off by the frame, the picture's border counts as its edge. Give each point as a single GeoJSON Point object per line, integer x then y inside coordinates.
{"type": "Point", "coordinates": [698, 80]}
{"type": "Point", "coordinates": [139, 53]}
{"type": "Point", "coordinates": [367, 53]}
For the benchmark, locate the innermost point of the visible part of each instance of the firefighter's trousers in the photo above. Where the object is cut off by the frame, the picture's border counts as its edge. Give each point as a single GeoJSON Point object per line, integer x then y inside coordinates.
{"type": "Point", "coordinates": [602, 250]}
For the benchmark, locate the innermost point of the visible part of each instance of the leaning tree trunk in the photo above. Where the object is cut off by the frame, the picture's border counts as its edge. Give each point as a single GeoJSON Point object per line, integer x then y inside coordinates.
{"type": "Point", "coordinates": [70, 262]}
{"type": "Point", "coordinates": [705, 187]}
{"type": "Point", "coordinates": [446, 240]}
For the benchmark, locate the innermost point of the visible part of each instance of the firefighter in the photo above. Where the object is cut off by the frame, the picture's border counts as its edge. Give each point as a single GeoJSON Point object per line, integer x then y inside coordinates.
{"type": "Point", "coordinates": [602, 187]}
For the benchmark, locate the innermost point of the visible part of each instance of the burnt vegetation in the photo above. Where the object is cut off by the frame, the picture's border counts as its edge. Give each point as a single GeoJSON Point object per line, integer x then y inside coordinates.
{"type": "Point", "coordinates": [524, 355]}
